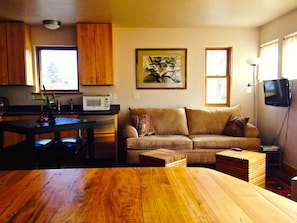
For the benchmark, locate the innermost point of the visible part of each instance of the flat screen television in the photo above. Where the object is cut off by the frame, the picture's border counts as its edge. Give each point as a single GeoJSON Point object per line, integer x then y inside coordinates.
{"type": "Point", "coordinates": [277, 92]}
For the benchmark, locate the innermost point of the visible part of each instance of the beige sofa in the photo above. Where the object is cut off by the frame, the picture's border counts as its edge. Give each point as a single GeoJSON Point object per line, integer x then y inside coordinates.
{"type": "Point", "coordinates": [200, 133]}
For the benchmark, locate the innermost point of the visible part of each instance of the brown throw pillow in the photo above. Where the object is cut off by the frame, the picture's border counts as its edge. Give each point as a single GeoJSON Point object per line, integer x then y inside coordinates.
{"type": "Point", "coordinates": [235, 126]}
{"type": "Point", "coordinates": [143, 124]}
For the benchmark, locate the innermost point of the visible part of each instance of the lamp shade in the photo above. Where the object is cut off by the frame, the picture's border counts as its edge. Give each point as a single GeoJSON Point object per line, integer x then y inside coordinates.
{"type": "Point", "coordinates": [253, 61]}
{"type": "Point", "coordinates": [51, 24]}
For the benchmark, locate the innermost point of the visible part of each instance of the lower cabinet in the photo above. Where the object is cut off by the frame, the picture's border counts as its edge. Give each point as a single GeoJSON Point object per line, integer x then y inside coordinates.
{"type": "Point", "coordinates": [105, 135]}
{"type": "Point", "coordinates": [69, 133]}
{"type": "Point", "coordinates": [11, 138]}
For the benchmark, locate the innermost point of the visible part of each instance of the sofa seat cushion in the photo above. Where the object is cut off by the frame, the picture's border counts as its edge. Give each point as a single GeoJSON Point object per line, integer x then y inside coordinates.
{"type": "Point", "coordinates": [176, 142]}
{"type": "Point", "coordinates": [209, 141]}
{"type": "Point", "coordinates": [166, 121]}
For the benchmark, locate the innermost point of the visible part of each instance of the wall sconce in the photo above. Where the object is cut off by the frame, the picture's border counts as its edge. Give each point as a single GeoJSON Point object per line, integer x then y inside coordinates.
{"type": "Point", "coordinates": [51, 24]}
{"type": "Point", "coordinates": [248, 88]}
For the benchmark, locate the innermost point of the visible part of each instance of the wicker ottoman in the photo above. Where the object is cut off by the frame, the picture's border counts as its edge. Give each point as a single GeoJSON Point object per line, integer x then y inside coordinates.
{"type": "Point", "coordinates": [246, 165]}
{"type": "Point", "coordinates": [162, 158]}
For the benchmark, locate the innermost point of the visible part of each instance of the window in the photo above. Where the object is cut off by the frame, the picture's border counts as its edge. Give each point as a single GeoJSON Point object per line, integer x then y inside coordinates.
{"type": "Point", "coordinates": [217, 76]}
{"type": "Point", "coordinates": [58, 68]}
{"type": "Point", "coordinates": [268, 67]}
{"type": "Point", "coordinates": [289, 69]}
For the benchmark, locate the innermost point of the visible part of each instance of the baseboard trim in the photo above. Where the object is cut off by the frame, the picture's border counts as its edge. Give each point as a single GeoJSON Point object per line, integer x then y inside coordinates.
{"type": "Point", "coordinates": [291, 170]}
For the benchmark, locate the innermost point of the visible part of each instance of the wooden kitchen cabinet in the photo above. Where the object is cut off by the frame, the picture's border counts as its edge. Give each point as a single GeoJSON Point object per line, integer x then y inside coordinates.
{"type": "Point", "coordinates": [3, 55]}
{"type": "Point", "coordinates": [11, 138]}
{"type": "Point", "coordinates": [16, 66]}
{"type": "Point", "coordinates": [69, 133]}
{"type": "Point", "coordinates": [105, 135]}
{"type": "Point", "coordinates": [95, 56]}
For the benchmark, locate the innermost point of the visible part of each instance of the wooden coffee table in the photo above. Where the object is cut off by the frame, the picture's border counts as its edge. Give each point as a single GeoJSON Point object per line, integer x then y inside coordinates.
{"type": "Point", "coordinates": [246, 165]}
{"type": "Point", "coordinates": [162, 158]}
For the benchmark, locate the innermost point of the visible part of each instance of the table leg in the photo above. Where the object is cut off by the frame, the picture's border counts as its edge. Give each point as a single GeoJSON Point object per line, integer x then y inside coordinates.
{"type": "Point", "coordinates": [1, 137]}
{"type": "Point", "coordinates": [31, 155]}
{"type": "Point", "coordinates": [91, 146]}
{"type": "Point", "coordinates": [57, 136]}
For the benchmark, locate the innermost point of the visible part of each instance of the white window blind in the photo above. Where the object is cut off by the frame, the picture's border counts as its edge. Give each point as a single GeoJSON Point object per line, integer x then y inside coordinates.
{"type": "Point", "coordinates": [289, 69]}
{"type": "Point", "coordinates": [268, 67]}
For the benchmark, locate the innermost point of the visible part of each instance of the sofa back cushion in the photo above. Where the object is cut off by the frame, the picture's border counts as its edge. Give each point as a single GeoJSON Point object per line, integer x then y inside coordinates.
{"type": "Point", "coordinates": [210, 121]}
{"type": "Point", "coordinates": [166, 121]}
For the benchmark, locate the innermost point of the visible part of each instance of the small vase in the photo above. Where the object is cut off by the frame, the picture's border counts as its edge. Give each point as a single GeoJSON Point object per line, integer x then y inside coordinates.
{"type": "Point", "coordinates": [51, 116]}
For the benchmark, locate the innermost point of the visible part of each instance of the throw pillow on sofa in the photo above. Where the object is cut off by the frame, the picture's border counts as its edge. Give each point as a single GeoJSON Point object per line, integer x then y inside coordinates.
{"type": "Point", "coordinates": [235, 126]}
{"type": "Point", "coordinates": [143, 124]}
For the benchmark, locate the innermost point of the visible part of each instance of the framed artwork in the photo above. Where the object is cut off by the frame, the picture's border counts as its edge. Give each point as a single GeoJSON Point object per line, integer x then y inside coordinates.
{"type": "Point", "coordinates": [161, 68]}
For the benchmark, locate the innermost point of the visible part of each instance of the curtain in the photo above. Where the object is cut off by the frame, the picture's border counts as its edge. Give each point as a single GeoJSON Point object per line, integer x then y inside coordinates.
{"type": "Point", "coordinates": [268, 68]}
{"type": "Point", "coordinates": [289, 69]}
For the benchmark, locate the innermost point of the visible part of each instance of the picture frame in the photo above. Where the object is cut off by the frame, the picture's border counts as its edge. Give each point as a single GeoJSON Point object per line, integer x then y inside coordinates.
{"type": "Point", "coordinates": [161, 68]}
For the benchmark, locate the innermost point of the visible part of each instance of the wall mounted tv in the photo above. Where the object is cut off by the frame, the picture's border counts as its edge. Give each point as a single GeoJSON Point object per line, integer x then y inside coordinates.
{"type": "Point", "coordinates": [277, 92]}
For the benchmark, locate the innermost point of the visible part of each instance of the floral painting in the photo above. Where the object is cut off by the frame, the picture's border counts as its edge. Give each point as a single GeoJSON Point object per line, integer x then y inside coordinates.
{"type": "Point", "coordinates": [161, 68]}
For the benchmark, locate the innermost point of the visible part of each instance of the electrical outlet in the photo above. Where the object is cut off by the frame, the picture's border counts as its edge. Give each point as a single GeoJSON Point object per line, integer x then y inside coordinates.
{"type": "Point", "coordinates": [115, 96]}
{"type": "Point", "coordinates": [136, 96]}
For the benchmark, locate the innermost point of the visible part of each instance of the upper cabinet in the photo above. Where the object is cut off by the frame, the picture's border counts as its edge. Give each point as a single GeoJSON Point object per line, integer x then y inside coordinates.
{"type": "Point", "coordinates": [16, 65]}
{"type": "Point", "coordinates": [95, 59]}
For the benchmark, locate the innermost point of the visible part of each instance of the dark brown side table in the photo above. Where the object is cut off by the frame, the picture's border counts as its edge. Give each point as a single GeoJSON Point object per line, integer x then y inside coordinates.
{"type": "Point", "coordinates": [273, 158]}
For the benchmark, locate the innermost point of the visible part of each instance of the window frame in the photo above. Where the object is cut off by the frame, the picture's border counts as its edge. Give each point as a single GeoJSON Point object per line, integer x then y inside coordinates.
{"type": "Point", "coordinates": [38, 56]}
{"type": "Point", "coordinates": [226, 77]}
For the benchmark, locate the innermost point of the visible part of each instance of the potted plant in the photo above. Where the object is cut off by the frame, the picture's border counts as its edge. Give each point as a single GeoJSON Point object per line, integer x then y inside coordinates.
{"type": "Point", "coordinates": [50, 101]}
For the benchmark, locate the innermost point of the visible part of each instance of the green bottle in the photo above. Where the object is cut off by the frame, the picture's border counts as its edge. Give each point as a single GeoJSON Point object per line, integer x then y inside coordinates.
{"type": "Point", "coordinates": [71, 104]}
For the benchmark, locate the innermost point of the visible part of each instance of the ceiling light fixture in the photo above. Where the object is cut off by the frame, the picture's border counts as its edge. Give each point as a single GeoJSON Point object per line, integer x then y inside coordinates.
{"type": "Point", "coordinates": [51, 24]}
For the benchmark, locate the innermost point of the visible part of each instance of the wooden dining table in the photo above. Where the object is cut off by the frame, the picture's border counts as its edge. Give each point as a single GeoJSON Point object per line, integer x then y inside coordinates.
{"type": "Point", "coordinates": [33, 127]}
{"type": "Point", "coordinates": [137, 194]}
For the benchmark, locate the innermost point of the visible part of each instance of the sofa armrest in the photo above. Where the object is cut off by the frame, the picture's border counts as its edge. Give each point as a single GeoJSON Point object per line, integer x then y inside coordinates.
{"type": "Point", "coordinates": [129, 131]}
{"type": "Point", "coordinates": [251, 131]}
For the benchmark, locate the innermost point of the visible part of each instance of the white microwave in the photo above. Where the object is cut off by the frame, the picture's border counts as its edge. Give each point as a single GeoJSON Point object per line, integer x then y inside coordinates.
{"type": "Point", "coordinates": [96, 103]}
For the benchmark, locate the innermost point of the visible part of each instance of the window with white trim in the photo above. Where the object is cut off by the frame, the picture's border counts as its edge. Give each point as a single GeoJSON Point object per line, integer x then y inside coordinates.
{"type": "Point", "coordinates": [57, 68]}
{"type": "Point", "coordinates": [268, 67]}
{"type": "Point", "coordinates": [217, 76]}
{"type": "Point", "coordinates": [289, 68]}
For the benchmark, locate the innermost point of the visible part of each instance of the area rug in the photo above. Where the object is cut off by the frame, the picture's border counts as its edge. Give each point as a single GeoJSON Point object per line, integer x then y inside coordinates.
{"type": "Point", "coordinates": [278, 186]}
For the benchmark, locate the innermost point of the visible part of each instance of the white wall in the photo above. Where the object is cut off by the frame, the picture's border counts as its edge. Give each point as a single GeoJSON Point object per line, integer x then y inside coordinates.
{"type": "Point", "coordinates": [126, 40]}
{"type": "Point", "coordinates": [274, 120]}
{"type": "Point", "coordinates": [244, 42]}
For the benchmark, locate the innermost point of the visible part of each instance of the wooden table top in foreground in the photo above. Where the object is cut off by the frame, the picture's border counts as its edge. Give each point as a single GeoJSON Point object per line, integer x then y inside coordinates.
{"type": "Point", "coordinates": [137, 195]}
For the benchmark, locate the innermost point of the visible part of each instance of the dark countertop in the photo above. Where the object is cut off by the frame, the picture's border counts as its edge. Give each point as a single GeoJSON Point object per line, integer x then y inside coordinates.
{"type": "Point", "coordinates": [65, 110]}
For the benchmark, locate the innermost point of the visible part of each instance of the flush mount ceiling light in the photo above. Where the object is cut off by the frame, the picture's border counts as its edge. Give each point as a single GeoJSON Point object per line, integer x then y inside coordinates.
{"type": "Point", "coordinates": [51, 24]}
